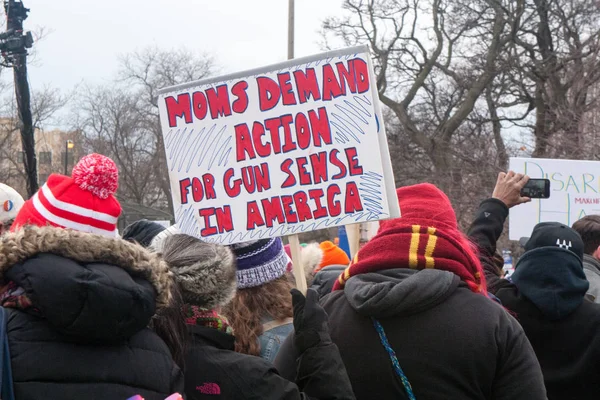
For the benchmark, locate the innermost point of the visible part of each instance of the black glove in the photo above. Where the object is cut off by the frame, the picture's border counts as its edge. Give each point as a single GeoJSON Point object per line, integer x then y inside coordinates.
{"type": "Point", "coordinates": [310, 321]}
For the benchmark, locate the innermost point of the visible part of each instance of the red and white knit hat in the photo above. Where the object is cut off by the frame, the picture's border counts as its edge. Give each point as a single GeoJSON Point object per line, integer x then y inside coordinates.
{"type": "Point", "coordinates": [83, 202]}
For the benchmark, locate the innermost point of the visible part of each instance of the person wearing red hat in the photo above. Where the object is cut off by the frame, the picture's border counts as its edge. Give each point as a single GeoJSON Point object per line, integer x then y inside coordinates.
{"type": "Point", "coordinates": [412, 318]}
{"type": "Point", "coordinates": [78, 299]}
{"type": "Point", "coordinates": [84, 202]}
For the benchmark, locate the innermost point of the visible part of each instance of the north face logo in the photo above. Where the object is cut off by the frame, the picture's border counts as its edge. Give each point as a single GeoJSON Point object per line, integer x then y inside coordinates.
{"type": "Point", "coordinates": [209, 388]}
{"type": "Point", "coordinates": [564, 244]}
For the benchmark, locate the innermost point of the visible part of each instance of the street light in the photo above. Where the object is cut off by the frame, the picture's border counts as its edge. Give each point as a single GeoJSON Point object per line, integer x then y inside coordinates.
{"type": "Point", "coordinates": [68, 145]}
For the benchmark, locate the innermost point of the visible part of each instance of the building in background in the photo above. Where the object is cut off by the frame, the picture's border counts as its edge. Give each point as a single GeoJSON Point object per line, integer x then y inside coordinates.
{"type": "Point", "coordinates": [50, 147]}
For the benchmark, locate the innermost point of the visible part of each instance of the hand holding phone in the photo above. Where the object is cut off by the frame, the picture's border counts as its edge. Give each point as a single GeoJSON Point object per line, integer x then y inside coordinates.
{"type": "Point", "coordinates": [508, 188]}
{"type": "Point", "coordinates": [536, 189]}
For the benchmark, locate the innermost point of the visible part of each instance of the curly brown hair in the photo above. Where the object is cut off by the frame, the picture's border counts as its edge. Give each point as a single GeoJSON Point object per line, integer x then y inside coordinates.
{"type": "Point", "coordinates": [248, 308]}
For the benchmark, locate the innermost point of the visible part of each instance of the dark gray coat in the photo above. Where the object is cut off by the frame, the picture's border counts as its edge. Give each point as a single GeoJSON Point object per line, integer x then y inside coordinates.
{"type": "Point", "coordinates": [450, 342]}
{"type": "Point", "coordinates": [591, 269]}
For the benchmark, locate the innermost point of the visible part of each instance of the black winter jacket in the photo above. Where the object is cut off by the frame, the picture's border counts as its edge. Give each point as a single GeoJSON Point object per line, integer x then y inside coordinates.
{"type": "Point", "coordinates": [324, 279]}
{"type": "Point", "coordinates": [548, 300]}
{"type": "Point", "coordinates": [450, 342]}
{"type": "Point", "coordinates": [95, 297]}
{"type": "Point", "coordinates": [215, 371]}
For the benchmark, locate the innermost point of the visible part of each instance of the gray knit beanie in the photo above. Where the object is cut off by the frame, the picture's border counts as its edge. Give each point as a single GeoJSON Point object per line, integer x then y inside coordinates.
{"type": "Point", "coordinates": [206, 272]}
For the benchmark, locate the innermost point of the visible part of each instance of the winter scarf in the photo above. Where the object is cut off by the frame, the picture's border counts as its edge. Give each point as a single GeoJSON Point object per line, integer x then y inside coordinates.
{"type": "Point", "coordinates": [195, 315]}
{"type": "Point", "coordinates": [426, 236]}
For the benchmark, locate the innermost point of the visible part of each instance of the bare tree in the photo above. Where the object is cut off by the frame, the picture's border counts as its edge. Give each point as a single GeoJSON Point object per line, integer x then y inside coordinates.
{"type": "Point", "coordinates": [47, 105]}
{"type": "Point", "coordinates": [469, 84]}
{"type": "Point", "coordinates": [472, 148]}
{"type": "Point", "coordinates": [551, 81]}
{"type": "Point", "coordinates": [12, 172]}
{"type": "Point", "coordinates": [434, 61]}
{"type": "Point", "coordinates": [113, 123]}
{"type": "Point", "coordinates": [146, 72]}
{"type": "Point", "coordinates": [122, 121]}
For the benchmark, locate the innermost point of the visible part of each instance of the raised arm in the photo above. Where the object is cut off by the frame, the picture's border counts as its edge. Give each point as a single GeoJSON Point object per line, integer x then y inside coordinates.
{"type": "Point", "coordinates": [488, 224]}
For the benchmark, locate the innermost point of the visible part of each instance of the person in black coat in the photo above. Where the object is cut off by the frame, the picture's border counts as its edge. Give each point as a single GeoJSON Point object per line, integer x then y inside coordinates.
{"type": "Point", "coordinates": [325, 278]}
{"type": "Point", "coordinates": [411, 317]}
{"type": "Point", "coordinates": [78, 307]}
{"type": "Point", "coordinates": [206, 275]}
{"type": "Point", "coordinates": [546, 293]}
{"type": "Point", "coordinates": [79, 298]}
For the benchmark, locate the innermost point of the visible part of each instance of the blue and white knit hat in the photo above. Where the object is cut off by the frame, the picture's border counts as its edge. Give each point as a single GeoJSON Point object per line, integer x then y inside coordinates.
{"type": "Point", "coordinates": [259, 261]}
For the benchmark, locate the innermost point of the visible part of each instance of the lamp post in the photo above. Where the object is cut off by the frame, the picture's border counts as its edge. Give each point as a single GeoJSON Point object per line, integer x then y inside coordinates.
{"type": "Point", "coordinates": [13, 48]}
{"type": "Point", "coordinates": [68, 145]}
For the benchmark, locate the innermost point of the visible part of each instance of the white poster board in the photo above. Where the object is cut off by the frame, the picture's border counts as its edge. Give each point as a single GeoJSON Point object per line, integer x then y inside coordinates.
{"type": "Point", "coordinates": [280, 150]}
{"type": "Point", "coordinates": [574, 193]}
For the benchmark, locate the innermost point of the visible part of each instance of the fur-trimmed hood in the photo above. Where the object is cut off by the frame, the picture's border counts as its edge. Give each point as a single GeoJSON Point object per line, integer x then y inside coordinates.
{"type": "Point", "coordinates": [30, 241]}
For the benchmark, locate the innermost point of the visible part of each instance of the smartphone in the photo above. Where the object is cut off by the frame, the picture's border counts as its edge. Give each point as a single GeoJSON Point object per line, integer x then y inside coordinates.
{"type": "Point", "coordinates": [536, 189]}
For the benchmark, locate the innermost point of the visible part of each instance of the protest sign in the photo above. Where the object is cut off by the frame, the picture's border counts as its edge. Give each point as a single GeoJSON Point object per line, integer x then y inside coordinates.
{"type": "Point", "coordinates": [574, 193]}
{"type": "Point", "coordinates": [279, 150]}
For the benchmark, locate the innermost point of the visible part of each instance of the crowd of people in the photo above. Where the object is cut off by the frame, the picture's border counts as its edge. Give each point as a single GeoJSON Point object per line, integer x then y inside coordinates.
{"type": "Point", "coordinates": [420, 312]}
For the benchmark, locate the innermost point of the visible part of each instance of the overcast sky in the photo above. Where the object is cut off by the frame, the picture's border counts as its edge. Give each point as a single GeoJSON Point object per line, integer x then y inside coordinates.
{"type": "Point", "coordinates": [86, 37]}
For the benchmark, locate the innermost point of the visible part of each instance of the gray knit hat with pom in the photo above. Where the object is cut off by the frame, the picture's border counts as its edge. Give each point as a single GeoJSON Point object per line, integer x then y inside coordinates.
{"type": "Point", "coordinates": [205, 272]}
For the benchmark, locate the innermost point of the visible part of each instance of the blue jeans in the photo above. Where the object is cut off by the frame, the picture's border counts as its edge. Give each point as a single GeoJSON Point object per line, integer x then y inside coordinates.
{"type": "Point", "coordinates": [271, 340]}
